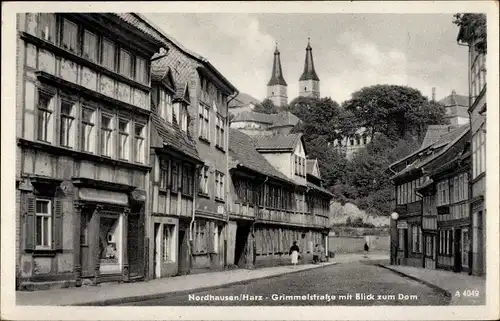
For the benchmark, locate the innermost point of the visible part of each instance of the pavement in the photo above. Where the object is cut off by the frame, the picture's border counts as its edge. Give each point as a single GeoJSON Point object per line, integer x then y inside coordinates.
{"type": "Point", "coordinates": [463, 289]}
{"type": "Point", "coordinates": [112, 294]}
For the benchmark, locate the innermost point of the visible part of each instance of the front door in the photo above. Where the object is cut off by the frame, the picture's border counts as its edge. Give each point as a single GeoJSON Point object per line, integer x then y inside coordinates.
{"type": "Point", "coordinates": [405, 241]}
{"type": "Point", "coordinates": [134, 247]}
{"type": "Point", "coordinates": [465, 248]}
{"type": "Point", "coordinates": [156, 252]}
{"type": "Point", "coordinates": [86, 241]}
{"type": "Point", "coordinates": [458, 250]}
{"type": "Point", "coordinates": [429, 257]}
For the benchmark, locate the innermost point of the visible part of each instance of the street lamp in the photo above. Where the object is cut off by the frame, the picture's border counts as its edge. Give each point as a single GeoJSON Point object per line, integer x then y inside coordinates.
{"type": "Point", "coordinates": [394, 238]}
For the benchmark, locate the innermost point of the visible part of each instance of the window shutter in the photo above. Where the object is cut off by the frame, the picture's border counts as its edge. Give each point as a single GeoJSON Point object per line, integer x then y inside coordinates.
{"type": "Point", "coordinates": [58, 224]}
{"type": "Point", "coordinates": [29, 233]}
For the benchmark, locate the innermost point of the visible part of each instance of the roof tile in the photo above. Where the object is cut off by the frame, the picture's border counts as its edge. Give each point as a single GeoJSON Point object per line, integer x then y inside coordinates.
{"type": "Point", "coordinates": [281, 141]}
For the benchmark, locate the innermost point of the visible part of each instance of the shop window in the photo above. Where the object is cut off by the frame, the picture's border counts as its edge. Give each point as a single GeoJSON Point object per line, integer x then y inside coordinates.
{"type": "Point", "coordinates": [110, 244]}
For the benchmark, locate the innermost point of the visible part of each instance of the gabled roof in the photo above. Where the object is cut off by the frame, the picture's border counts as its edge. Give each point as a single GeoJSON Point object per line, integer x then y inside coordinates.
{"type": "Point", "coordinates": [243, 150]}
{"type": "Point", "coordinates": [284, 119]}
{"type": "Point", "coordinates": [174, 137]}
{"type": "Point", "coordinates": [243, 99]}
{"type": "Point", "coordinates": [252, 116]}
{"type": "Point", "coordinates": [182, 93]}
{"type": "Point", "coordinates": [443, 144]}
{"type": "Point", "coordinates": [434, 133]}
{"type": "Point", "coordinates": [146, 24]}
{"type": "Point", "coordinates": [455, 100]}
{"type": "Point", "coordinates": [312, 168]}
{"type": "Point", "coordinates": [319, 188]}
{"type": "Point", "coordinates": [281, 142]}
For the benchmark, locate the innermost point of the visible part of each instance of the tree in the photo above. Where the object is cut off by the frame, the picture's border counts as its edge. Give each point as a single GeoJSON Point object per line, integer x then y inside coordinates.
{"type": "Point", "coordinates": [472, 28]}
{"type": "Point", "coordinates": [266, 107]}
{"type": "Point", "coordinates": [395, 111]}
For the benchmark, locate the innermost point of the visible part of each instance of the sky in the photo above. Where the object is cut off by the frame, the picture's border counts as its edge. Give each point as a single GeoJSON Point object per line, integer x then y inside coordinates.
{"type": "Point", "coordinates": [350, 51]}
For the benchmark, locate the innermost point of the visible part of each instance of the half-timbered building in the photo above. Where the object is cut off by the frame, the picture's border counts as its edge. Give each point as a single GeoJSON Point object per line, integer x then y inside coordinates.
{"type": "Point", "coordinates": [83, 122]}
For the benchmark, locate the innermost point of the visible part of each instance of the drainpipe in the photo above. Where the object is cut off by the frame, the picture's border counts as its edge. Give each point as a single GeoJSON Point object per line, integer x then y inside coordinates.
{"type": "Point", "coordinates": [195, 192]}
{"type": "Point", "coordinates": [226, 185]}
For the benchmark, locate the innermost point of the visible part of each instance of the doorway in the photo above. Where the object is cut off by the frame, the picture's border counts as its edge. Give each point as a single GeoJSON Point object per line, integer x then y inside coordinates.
{"type": "Point", "coordinates": [182, 253]}
{"type": "Point", "coordinates": [405, 243]}
{"type": "Point", "coordinates": [135, 247]}
{"type": "Point", "coordinates": [156, 251]}
{"type": "Point", "coordinates": [242, 231]}
{"type": "Point", "coordinates": [457, 250]}
{"type": "Point", "coordinates": [86, 262]}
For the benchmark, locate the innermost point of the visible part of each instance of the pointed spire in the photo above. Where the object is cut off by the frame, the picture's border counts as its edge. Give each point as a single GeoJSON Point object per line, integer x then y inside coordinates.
{"type": "Point", "coordinates": [309, 72]}
{"type": "Point", "coordinates": [277, 74]}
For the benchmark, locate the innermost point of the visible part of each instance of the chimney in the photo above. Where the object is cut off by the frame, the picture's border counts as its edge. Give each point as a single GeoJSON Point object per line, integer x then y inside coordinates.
{"type": "Point", "coordinates": [433, 93]}
{"type": "Point", "coordinates": [453, 93]}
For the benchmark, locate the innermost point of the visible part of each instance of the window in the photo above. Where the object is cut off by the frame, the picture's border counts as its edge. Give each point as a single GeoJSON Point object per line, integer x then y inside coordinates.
{"type": "Point", "coordinates": [164, 182]}
{"type": "Point", "coordinates": [443, 193]}
{"type": "Point", "coordinates": [200, 234]}
{"type": "Point", "coordinates": [175, 177]}
{"type": "Point", "coordinates": [47, 27]}
{"type": "Point", "coordinates": [219, 185]}
{"type": "Point", "coordinates": [125, 63]}
{"type": "Point", "coordinates": [66, 129]}
{"type": "Point", "coordinates": [187, 180]}
{"type": "Point", "coordinates": [167, 240]}
{"type": "Point", "coordinates": [176, 113]}
{"type": "Point", "coordinates": [88, 132]}
{"type": "Point", "coordinates": [184, 118]}
{"type": "Point", "coordinates": [45, 108]}
{"type": "Point", "coordinates": [139, 142]}
{"type": "Point", "coordinates": [165, 105]}
{"type": "Point", "coordinates": [106, 135]}
{"type": "Point", "coordinates": [204, 128]}
{"type": "Point", "coordinates": [141, 73]}
{"type": "Point", "coordinates": [219, 132]}
{"type": "Point", "coordinates": [43, 223]}
{"type": "Point", "coordinates": [203, 178]}
{"type": "Point", "coordinates": [478, 153]}
{"type": "Point", "coordinates": [70, 36]}
{"type": "Point", "coordinates": [108, 54]}
{"type": "Point", "coordinates": [478, 75]}
{"type": "Point", "coordinates": [90, 45]}
{"type": "Point", "coordinates": [123, 144]}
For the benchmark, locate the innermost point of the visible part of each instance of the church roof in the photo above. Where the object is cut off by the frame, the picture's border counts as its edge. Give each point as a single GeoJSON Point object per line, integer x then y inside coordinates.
{"type": "Point", "coordinates": [277, 74]}
{"type": "Point", "coordinates": [455, 100]}
{"type": "Point", "coordinates": [309, 72]}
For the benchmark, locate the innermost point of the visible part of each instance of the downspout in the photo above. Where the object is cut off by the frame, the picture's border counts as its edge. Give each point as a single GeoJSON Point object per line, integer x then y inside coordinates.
{"type": "Point", "coordinates": [226, 182]}
{"type": "Point", "coordinates": [195, 192]}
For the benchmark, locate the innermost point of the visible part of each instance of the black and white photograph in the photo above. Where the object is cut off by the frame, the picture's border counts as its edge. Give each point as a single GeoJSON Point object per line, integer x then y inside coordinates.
{"type": "Point", "coordinates": [220, 160]}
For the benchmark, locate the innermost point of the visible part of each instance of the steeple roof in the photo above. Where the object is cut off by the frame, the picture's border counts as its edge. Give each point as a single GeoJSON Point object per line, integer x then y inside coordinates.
{"type": "Point", "coordinates": [309, 72]}
{"type": "Point", "coordinates": [277, 74]}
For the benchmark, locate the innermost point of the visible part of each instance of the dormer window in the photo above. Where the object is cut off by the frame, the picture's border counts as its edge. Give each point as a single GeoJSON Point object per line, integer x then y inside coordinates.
{"type": "Point", "coordinates": [165, 105]}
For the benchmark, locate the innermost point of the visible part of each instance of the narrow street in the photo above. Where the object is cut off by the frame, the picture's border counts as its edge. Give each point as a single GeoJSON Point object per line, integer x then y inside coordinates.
{"type": "Point", "coordinates": [337, 281]}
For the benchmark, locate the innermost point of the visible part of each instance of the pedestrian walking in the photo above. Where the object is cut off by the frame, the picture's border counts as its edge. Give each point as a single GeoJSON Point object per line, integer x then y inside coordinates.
{"type": "Point", "coordinates": [367, 248]}
{"type": "Point", "coordinates": [316, 254]}
{"type": "Point", "coordinates": [294, 252]}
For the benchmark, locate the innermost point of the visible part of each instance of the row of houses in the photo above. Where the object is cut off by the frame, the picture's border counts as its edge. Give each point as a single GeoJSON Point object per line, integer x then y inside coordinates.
{"type": "Point", "coordinates": [440, 188]}
{"type": "Point", "coordinates": [127, 170]}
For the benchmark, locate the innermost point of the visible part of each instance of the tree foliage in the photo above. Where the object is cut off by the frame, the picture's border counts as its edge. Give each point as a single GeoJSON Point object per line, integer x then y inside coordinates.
{"type": "Point", "coordinates": [395, 116]}
{"type": "Point", "coordinates": [266, 107]}
{"type": "Point", "coordinates": [472, 27]}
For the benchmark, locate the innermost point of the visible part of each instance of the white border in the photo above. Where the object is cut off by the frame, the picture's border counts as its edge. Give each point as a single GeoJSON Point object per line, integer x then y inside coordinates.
{"type": "Point", "coordinates": [10, 311]}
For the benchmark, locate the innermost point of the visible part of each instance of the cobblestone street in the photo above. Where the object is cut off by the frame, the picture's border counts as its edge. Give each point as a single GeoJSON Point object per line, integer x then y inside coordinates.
{"type": "Point", "coordinates": [364, 279]}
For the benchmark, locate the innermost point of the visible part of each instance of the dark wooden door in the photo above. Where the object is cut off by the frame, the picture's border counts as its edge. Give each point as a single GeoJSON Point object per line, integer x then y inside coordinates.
{"type": "Point", "coordinates": [135, 251]}
{"type": "Point", "coordinates": [87, 242]}
{"type": "Point", "coordinates": [457, 240]}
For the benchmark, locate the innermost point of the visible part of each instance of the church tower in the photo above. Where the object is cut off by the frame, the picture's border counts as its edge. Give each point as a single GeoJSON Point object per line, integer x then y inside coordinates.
{"type": "Point", "coordinates": [309, 81]}
{"type": "Point", "coordinates": [277, 87]}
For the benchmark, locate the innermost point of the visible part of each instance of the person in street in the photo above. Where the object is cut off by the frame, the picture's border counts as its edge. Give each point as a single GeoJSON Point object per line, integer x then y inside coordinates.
{"type": "Point", "coordinates": [316, 253]}
{"type": "Point", "coordinates": [294, 252]}
{"type": "Point", "coordinates": [367, 248]}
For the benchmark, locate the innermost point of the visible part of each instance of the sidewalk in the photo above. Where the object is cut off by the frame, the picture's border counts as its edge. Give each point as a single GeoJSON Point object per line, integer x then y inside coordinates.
{"type": "Point", "coordinates": [109, 294]}
{"type": "Point", "coordinates": [471, 289]}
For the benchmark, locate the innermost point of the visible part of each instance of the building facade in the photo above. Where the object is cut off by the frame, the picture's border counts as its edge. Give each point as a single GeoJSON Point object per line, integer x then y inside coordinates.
{"type": "Point", "coordinates": [254, 123]}
{"type": "Point", "coordinates": [83, 105]}
{"type": "Point", "coordinates": [456, 107]}
{"type": "Point", "coordinates": [269, 209]}
{"type": "Point", "coordinates": [477, 113]}
{"type": "Point", "coordinates": [431, 200]}
{"type": "Point", "coordinates": [207, 124]}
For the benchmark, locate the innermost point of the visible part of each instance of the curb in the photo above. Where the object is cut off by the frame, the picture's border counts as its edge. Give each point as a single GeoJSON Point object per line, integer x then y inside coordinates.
{"type": "Point", "coordinates": [147, 297]}
{"type": "Point", "coordinates": [433, 286]}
